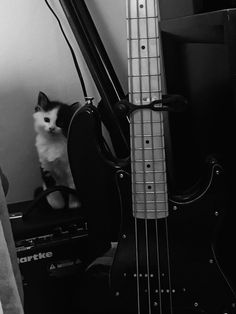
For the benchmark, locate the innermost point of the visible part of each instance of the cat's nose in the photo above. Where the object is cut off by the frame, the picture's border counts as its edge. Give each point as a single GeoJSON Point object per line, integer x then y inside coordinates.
{"type": "Point", "coordinates": [51, 128]}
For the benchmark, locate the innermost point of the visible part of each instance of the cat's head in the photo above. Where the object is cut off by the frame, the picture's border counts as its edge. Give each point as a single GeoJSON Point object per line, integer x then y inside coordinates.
{"type": "Point", "coordinates": [46, 115]}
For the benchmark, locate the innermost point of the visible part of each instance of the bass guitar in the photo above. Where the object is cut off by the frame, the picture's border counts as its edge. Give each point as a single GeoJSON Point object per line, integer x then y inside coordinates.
{"type": "Point", "coordinates": [166, 261]}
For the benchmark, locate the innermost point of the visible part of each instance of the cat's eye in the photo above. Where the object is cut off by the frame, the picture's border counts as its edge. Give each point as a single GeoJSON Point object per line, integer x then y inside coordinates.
{"type": "Point", "coordinates": [46, 119]}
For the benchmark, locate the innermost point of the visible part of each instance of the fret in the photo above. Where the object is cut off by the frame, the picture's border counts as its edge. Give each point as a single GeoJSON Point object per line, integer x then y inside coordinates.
{"type": "Point", "coordinates": [141, 18]}
{"type": "Point", "coordinates": [157, 124]}
{"type": "Point", "coordinates": [147, 172]}
{"type": "Point", "coordinates": [144, 37]}
{"type": "Point", "coordinates": [152, 208]}
{"type": "Point", "coordinates": [143, 58]}
{"type": "Point", "coordinates": [149, 160]}
{"type": "Point", "coordinates": [147, 129]}
{"type": "Point", "coordinates": [138, 183]}
{"type": "Point", "coordinates": [146, 135]}
{"type": "Point", "coordinates": [146, 95]}
{"type": "Point", "coordinates": [151, 202]}
{"type": "Point", "coordinates": [148, 182]}
{"type": "Point", "coordinates": [148, 148]}
{"type": "Point", "coordinates": [144, 75]}
{"type": "Point", "coordinates": [149, 193]}
{"type": "Point", "coordinates": [147, 92]}
{"type": "Point", "coordinates": [148, 121]}
{"type": "Point", "coordinates": [151, 174]}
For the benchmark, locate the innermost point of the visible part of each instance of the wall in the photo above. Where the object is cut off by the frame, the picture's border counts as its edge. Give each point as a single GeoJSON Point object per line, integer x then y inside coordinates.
{"type": "Point", "coordinates": [34, 57]}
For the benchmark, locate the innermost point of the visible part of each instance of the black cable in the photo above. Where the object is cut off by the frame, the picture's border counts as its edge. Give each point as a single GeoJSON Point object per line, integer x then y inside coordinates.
{"type": "Point", "coordinates": [44, 194]}
{"type": "Point", "coordinates": [71, 50]}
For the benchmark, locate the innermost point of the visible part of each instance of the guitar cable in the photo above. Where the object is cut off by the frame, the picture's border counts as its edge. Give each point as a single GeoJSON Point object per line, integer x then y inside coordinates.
{"type": "Point", "coordinates": [72, 52]}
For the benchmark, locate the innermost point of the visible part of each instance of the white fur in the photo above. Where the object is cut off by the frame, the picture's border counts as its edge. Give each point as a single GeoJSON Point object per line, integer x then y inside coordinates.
{"type": "Point", "coordinates": [51, 146]}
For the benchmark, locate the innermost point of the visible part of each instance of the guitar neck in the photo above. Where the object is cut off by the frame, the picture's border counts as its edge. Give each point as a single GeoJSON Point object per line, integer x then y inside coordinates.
{"type": "Point", "coordinates": [148, 165]}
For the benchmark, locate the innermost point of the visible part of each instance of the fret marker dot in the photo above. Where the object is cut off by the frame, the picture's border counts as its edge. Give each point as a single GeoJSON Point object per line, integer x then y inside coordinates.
{"type": "Point", "coordinates": [143, 47]}
{"type": "Point", "coordinates": [149, 187]}
{"type": "Point", "coordinates": [147, 142]}
{"type": "Point", "coordinates": [141, 6]}
{"type": "Point", "coordinates": [148, 165]}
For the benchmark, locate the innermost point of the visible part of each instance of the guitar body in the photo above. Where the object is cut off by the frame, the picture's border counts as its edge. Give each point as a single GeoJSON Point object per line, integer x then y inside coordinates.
{"type": "Point", "coordinates": [170, 265]}
{"type": "Point", "coordinates": [167, 260]}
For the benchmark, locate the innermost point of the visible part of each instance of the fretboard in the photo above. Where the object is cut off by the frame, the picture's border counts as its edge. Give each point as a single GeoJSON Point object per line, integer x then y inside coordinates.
{"type": "Point", "coordinates": [148, 164]}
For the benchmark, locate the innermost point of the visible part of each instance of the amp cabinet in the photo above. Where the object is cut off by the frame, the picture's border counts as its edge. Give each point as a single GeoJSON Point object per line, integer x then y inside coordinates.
{"type": "Point", "coordinates": [199, 59]}
{"type": "Point", "coordinates": [51, 249]}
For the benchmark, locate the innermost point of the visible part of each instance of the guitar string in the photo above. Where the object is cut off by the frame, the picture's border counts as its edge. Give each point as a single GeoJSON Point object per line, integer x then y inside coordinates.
{"type": "Point", "coordinates": [166, 218]}
{"type": "Point", "coordinates": [128, 4]}
{"type": "Point", "coordinates": [154, 169]}
{"type": "Point", "coordinates": [143, 163]}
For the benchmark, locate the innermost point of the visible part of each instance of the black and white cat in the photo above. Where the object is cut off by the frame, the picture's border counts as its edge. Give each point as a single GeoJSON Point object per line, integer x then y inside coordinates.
{"type": "Point", "coordinates": [51, 146]}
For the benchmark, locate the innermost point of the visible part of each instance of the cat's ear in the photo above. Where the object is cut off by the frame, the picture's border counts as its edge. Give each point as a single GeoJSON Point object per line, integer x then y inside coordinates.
{"type": "Point", "coordinates": [42, 100]}
{"type": "Point", "coordinates": [37, 108]}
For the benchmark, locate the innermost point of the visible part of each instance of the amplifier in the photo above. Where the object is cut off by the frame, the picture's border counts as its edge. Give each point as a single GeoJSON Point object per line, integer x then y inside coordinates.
{"type": "Point", "coordinates": [51, 249]}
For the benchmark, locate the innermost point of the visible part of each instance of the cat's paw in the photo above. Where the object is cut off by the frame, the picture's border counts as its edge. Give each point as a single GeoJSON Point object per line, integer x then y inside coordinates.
{"type": "Point", "coordinates": [56, 200]}
{"type": "Point", "coordinates": [74, 202]}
